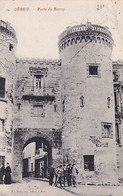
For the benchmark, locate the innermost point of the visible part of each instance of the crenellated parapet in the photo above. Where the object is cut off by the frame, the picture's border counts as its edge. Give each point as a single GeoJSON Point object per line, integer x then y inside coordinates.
{"type": "Point", "coordinates": [7, 29]}
{"type": "Point", "coordinates": [85, 33]}
{"type": "Point", "coordinates": [39, 61]}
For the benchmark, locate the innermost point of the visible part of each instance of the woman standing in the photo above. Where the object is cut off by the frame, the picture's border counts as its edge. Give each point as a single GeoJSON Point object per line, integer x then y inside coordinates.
{"type": "Point", "coordinates": [7, 179]}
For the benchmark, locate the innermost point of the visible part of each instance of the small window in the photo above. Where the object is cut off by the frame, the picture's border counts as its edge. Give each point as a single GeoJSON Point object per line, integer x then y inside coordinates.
{"type": "Point", "coordinates": [93, 70]}
{"type": "Point", "coordinates": [11, 47]}
{"type": "Point", "coordinates": [19, 106]}
{"type": "Point", "coordinates": [1, 125]}
{"type": "Point", "coordinates": [118, 135]}
{"type": "Point", "coordinates": [2, 160]}
{"type": "Point", "coordinates": [63, 103]}
{"type": "Point", "coordinates": [107, 131]}
{"type": "Point", "coordinates": [2, 87]}
{"type": "Point", "coordinates": [116, 99]}
{"type": "Point", "coordinates": [108, 102]}
{"type": "Point", "coordinates": [89, 162]}
{"type": "Point", "coordinates": [38, 110]}
{"type": "Point", "coordinates": [81, 101]}
{"type": "Point", "coordinates": [32, 167]}
{"type": "Point", "coordinates": [55, 107]}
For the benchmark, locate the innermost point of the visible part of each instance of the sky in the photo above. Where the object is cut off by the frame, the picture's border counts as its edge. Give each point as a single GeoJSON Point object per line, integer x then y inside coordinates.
{"type": "Point", "coordinates": [39, 23]}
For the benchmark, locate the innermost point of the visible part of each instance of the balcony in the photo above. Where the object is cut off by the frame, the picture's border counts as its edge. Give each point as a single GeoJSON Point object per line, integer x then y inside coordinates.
{"type": "Point", "coordinates": [40, 153]}
{"type": "Point", "coordinates": [34, 93]}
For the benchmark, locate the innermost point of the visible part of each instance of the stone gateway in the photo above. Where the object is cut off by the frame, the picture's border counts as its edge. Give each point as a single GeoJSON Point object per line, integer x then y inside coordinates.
{"type": "Point", "coordinates": [66, 111]}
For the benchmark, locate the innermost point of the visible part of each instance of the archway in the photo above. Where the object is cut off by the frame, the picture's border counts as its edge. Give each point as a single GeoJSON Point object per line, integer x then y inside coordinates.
{"type": "Point", "coordinates": [37, 157]}
{"type": "Point", "coordinates": [23, 137]}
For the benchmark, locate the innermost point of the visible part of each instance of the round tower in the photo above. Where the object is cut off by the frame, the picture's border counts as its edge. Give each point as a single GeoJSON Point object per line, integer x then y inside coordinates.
{"type": "Point", "coordinates": [88, 102]}
{"type": "Point", "coordinates": [8, 43]}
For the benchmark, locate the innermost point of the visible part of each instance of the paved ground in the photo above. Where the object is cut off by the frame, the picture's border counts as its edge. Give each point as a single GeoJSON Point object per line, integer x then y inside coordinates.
{"type": "Point", "coordinates": [32, 188]}
{"type": "Point", "coordinates": [41, 188]}
{"type": "Point", "coordinates": [86, 190]}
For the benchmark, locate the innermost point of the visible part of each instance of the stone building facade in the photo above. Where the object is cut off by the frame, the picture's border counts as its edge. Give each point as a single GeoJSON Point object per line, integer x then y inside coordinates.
{"type": "Point", "coordinates": [37, 109]}
{"type": "Point", "coordinates": [8, 43]}
{"type": "Point", "coordinates": [118, 97]}
{"type": "Point", "coordinates": [68, 105]}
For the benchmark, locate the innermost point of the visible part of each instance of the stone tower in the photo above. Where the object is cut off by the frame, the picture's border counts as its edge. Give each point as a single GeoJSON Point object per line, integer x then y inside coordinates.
{"type": "Point", "coordinates": [88, 102]}
{"type": "Point", "coordinates": [8, 43]}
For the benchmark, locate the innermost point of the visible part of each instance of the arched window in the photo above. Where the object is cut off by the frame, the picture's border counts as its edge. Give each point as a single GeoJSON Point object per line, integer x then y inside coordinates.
{"type": "Point", "coordinates": [108, 102]}
{"type": "Point", "coordinates": [81, 101]}
{"type": "Point", "coordinates": [2, 87]}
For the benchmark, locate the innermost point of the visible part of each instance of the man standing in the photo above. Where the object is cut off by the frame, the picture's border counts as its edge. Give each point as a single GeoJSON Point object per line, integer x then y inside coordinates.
{"type": "Point", "coordinates": [51, 173]}
{"type": "Point", "coordinates": [74, 175]}
{"type": "Point", "coordinates": [60, 175]}
{"type": "Point", "coordinates": [69, 171]}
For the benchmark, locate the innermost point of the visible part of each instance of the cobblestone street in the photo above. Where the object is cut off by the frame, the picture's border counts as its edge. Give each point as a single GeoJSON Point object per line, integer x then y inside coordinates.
{"type": "Point", "coordinates": [40, 188]}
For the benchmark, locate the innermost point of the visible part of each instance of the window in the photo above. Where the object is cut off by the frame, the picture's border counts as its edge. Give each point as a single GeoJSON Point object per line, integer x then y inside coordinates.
{"type": "Point", "coordinates": [2, 160]}
{"type": "Point", "coordinates": [38, 84]}
{"type": "Point", "coordinates": [93, 70]}
{"type": "Point", "coordinates": [118, 135]}
{"type": "Point", "coordinates": [11, 47]}
{"type": "Point", "coordinates": [55, 107]}
{"type": "Point", "coordinates": [116, 76]}
{"type": "Point", "coordinates": [2, 87]}
{"type": "Point", "coordinates": [89, 162]}
{"type": "Point", "coordinates": [3, 24]}
{"type": "Point", "coordinates": [38, 110]}
{"type": "Point", "coordinates": [19, 106]}
{"type": "Point", "coordinates": [108, 102]}
{"type": "Point", "coordinates": [39, 81]}
{"type": "Point", "coordinates": [116, 99]}
{"type": "Point", "coordinates": [63, 103]}
{"type": "Point", "coordinates": [81, 101]}
{"type": "Point", "coordinates": [1, 125]}
{"type": "Point", "coordinates": [31, 166]}
{"type": "Point", "coordinates": [107, 130]}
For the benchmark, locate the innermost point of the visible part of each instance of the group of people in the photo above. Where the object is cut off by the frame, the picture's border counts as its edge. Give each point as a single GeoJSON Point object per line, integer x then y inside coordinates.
{"type": "Point", "coordinates": [66, 175]}
{"type": "Point", "coordinates": [5, 174]}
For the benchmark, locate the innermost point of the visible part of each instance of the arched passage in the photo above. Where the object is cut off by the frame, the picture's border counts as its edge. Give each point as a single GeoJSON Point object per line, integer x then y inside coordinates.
{"type": "Point", "coordinates": [37, 157]}
{"type": "Point", "coordinates": [24, 136]}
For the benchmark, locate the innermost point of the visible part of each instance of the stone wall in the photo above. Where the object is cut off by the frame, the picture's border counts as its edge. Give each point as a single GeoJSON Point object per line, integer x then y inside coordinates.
{"type": "Point", "coordinates": [83, 121]}
{"type": "Point", "coordinates": [28, 125]}
{"type": "Point", "coordinates": [76, 106]}
{"type": "Point", "coordinates": [118, 89]}
{"type": "Point", "coordinates": [7, 71]}
{"type": "Point", "coordinates": [23, 107]}
{"type": "Point", "coordinates": [23, 137]}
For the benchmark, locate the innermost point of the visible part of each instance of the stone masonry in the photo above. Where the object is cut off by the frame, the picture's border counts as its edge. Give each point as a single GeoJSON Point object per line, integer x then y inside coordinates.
{"type": "Point", "coordinates": [68, 103]}
{"type": "Point", "coordinates": [88, 113]}
{"type": "Point", "coordinates": [8, 43]}
{"type": "Point", "coordinates": [28, 125]}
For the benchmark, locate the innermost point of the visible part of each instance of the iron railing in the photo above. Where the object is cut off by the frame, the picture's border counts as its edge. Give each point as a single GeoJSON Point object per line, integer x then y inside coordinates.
{"type": "Point", "coordinates": [33, 90]}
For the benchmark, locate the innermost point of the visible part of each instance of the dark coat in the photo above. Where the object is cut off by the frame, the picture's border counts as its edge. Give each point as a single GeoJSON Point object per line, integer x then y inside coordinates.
{"type": "Point", "coordinates": [7, 179]}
